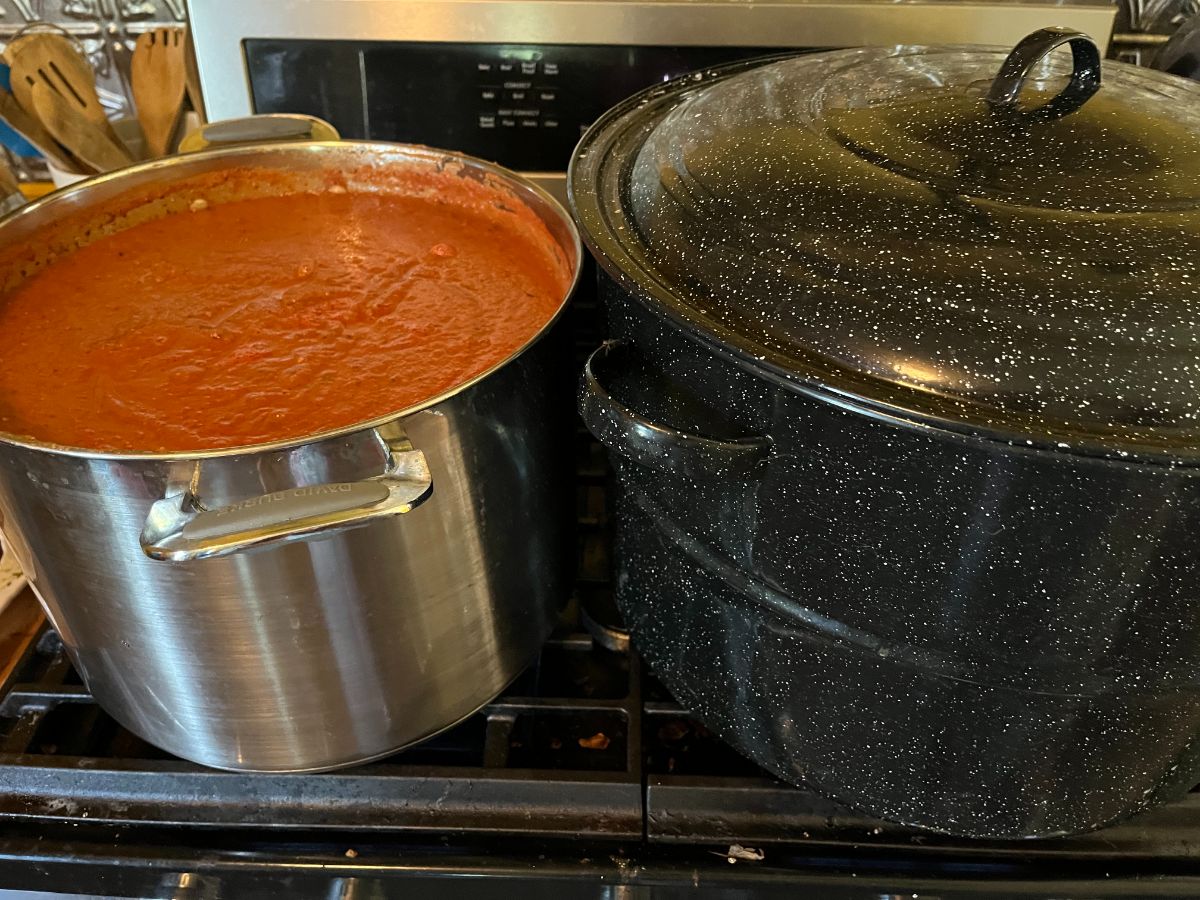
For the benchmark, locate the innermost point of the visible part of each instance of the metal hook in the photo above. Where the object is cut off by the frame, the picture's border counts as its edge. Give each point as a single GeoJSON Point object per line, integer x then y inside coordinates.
{"type": "Point", "coordinates": [1004, 95]}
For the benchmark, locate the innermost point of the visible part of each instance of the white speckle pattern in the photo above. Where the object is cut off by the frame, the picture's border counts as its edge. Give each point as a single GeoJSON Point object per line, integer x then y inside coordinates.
{"type": "Point", "coordinates": [963, 590]}
{"type": "Point", "coordinates": [862, 221]}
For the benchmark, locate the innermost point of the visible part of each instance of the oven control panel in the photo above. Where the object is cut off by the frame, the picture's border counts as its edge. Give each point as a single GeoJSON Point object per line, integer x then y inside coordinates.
{"type": "Point", "coordinates": [523, 106]}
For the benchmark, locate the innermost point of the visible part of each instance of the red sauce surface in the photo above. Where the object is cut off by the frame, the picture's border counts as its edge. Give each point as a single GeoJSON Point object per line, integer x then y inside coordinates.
{"type": "Point", "coordinates": [268, 319]}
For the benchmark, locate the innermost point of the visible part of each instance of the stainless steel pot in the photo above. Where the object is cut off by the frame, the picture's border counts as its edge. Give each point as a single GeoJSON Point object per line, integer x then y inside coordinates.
{"type": "Point", "coordinates": [307, 605]}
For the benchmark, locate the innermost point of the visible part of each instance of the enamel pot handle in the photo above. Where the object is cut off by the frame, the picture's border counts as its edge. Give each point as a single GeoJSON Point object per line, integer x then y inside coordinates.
{"type": "Point", "coordinates": [1005, 93]}
{"type": "Point", "coordinates": [180, 528]}
{"type": "Point", "coordinates": [659, 446]}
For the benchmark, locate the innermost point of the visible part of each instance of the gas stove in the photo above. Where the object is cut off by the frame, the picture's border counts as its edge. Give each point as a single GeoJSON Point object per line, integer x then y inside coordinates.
{"type": "Point", "coordinates": [584, 778]}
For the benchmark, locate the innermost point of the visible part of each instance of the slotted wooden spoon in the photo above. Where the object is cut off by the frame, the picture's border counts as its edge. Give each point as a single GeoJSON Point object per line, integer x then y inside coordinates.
{"type": "Point", "coordinates": [159, 74]}
{"type": "Point", "coordinates": [30, 128]}
{"type": "Point", "coordinates": [91, 144]}
{"type": "Point", "coordinates": [52, 60]}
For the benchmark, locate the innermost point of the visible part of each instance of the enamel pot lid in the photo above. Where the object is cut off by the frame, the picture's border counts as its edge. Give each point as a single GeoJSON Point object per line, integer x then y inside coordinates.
{"type": "Point", "coordinates": [1001, 244]}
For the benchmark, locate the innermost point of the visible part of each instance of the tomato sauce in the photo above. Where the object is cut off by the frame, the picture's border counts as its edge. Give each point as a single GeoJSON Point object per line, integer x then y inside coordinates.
{"type": "Point", "coordinates": [268, 319]}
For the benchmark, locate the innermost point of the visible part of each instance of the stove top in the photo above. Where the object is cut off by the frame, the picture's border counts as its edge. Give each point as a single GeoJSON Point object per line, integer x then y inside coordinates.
{"type": "Point", "coordinates": [584, 776]}
{"type": "Point", "coordinates": [584, 745]}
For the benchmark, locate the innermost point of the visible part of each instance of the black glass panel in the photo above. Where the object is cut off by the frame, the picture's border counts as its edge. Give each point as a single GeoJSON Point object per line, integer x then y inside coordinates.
{"type": "Point", "coordinates": [524, 106]}
{"type": "Point", "coordinates": [319, 78]}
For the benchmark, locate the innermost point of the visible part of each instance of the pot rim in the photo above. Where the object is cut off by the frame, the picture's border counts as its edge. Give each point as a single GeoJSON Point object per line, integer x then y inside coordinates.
{"type": "Point", "coordinates": [545, 202]}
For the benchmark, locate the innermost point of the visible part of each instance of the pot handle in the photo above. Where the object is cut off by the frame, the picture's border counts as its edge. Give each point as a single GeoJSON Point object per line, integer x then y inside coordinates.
{"type": "Point", "coordinates": [657, 446]}
{"type": "Point", "coordinates": [1005, 93]}
{"type": "Point", "coordinates": [179, 528]}
{"type": "Point", "coordinates": [274, 128]}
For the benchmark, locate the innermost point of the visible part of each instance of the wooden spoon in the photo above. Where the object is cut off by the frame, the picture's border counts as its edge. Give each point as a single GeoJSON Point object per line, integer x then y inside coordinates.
{"type": "Point", "coordinates": [52, 60]}
{"type": "Point", "coordinates": [9, 53]}
{"type": "Point", "coordinates": [8, 181]}
{"type": "Point", "coordinates": [159, 74]}
{"type": "Point", "coordinates": [34, 132]}
{"type": "Point", "coordinates": [11, 48]}
{"type": "Point", "coordinates": [87, 141]}
{"type": "Point", "coordinates": [10, 198]}
{"type": "Point", "coordinates": [192, 70]}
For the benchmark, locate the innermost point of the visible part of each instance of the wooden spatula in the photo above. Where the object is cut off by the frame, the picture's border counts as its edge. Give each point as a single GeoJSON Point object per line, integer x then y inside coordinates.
{"type": "Point", "coordinates": [34, 131]}
{"type": "Point", "coordinates": [159, 73]}
{"type": "Point", "coordinates": [52, 60]}
{"type": "Point", "coordinates": [87, 141]}
{"type": "Point", "coordinates": [192, 73]}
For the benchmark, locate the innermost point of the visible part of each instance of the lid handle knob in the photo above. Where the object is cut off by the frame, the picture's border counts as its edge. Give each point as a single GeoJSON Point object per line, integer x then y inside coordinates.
{"type": "Point", "coordinates": [1005, 92]}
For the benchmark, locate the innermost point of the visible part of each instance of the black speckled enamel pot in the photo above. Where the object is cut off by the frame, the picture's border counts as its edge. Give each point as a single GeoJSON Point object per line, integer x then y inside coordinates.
{"type": "Point", "coordinates": [949, 572]}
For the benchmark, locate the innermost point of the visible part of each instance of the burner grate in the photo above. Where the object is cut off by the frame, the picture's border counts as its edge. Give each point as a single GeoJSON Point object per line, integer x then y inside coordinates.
{"type": "Point", "coordinates": [529, 763]}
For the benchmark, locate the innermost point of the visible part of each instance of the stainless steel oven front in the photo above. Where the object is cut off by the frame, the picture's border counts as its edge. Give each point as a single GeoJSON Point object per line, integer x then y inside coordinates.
{"type": "Point", "coordinates": [517, 81]}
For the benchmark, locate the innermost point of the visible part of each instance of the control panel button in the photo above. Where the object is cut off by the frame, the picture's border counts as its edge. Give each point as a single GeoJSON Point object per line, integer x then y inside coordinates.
{"type": "Point", "coordinates": [487, 121]}
{"type": "Point", "coordinates": [548, 96]}
{"type": "Point", "coordinates": [507, 67]}
{"type": "Point", "coordinates": [550, 68]}
{"type": "Point", "coordinates": [508, 123]}
{"type": "Point", "coordinates": [529, 123]}
{"type": "Point", "coordinates": [528, 68]}
{"type": "Point", "coordinates": [484, 66]}
{"type": "Point", "coordinates": [549, 123]}
{"type": "Point", "coordinates": [487, 94]}
{"type": "Point", "coordinates": [516, 95]}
